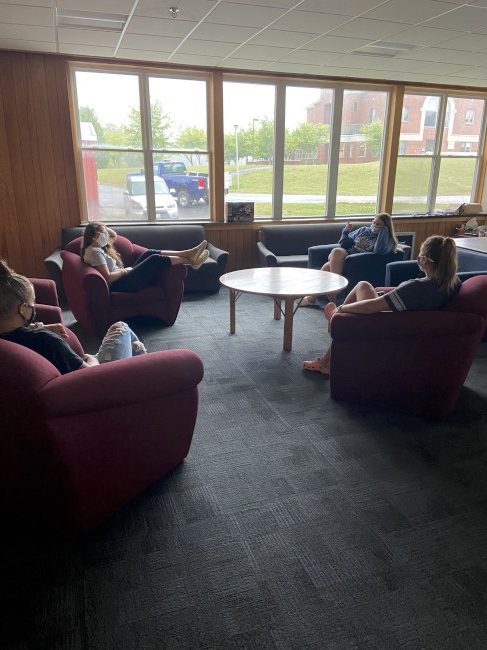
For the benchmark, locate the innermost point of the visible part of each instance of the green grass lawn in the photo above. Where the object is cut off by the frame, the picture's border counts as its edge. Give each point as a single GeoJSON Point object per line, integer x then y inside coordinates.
{"type": "Point", "coordinates": [412, 179]}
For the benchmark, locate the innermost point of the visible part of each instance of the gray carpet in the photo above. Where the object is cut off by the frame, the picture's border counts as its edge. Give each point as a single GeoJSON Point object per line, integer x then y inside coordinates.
{"type": "Point", "coordinates": [295, 522]}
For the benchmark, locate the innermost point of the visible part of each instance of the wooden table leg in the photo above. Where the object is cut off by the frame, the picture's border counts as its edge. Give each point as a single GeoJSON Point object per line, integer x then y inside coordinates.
{"type": "Point", "coordinates": [288, 324]}
{"type": "Point", "coordinates": [277, 309]}
{"type": "Point", "coordinates": [232, 310]}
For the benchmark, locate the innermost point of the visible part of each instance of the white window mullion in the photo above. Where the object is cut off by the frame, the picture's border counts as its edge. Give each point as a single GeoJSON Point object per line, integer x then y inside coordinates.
{"type": "Point", "coordinates": [146, 127]}
{"type": "Point", "coordinates": [334, 156]}
{"type": "Point", "coordinates": [279, 134]}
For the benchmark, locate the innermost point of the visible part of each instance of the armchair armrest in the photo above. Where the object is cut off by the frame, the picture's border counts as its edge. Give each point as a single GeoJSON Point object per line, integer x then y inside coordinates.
{"type": "Point", "coordinates": [220, 256]}
{"type": "Point", "coordinates": [399, 326]}
{"type": "Point", "coordinates": [265, 256]}
{"type": "Point", "coordinates": [45, 291]}
{"type": "Point", "coordinates": [116, 384]}
{"type": "Point", "coordinates": [318, 255]}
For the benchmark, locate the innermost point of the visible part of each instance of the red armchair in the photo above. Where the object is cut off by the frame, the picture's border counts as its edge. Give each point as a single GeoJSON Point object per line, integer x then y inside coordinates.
{"type": "Point", "coordinates": [95, 307]}
{"type": "Point", "coordinates": [77, 447]}
{"type": "Point", "coordinates": [414, 361]}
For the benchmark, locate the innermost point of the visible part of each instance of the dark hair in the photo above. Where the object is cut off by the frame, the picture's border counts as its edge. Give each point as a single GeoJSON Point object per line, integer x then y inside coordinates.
{"type": "Point", "coordinates": [442, 252]}
{"type": "Point", "coordinates": [387, 221]}
{"type": "Point", "coordinates": [13, 288]}
{"type": "Point", "coordinates": [91, 231]}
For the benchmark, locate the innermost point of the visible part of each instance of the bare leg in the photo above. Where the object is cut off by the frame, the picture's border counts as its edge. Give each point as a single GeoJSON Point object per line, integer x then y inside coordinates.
{"type": "Point", "coordinates": [335, 264]}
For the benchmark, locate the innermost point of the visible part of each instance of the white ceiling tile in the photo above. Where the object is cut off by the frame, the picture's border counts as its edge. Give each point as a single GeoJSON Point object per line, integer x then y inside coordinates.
{"type": "Point", "coordinates": [422, 36]}
{"type": "Point", "coordinates": [479, 3]}
{"type": "Point", "coordinates": [24, 15]}
{"type": "Point", "coordinates": [142, 55]}
{"type": "Point", "coordinates": [245, 64]}
{"type": "Point", "coordinates": [232, 33]}
{"type": "Point", "coordinates": [193, 10]}
{"type": "Point", "coordinates": [343, 7]}
{"type": "Point", "coordinates": [283, 4]}
{"type": "Point", "coordinates": [160, 26]}
{"type": "Point", "coordinates": [411, 12]}
{"type": "Point", "coordinates": [228, 13]}
{"type": "Point", "coordinates": [311, 22]}
{"type": "Point", "coordinates": [152, 43]}
{"type": "Point", "coordinates": [186, 59]}
{"type": "Point", "coordinates": [85, 50]}
{"type": "Point", "coordinates": [468, 19]}
{"type": "Point", "coordinates": [310, 57]}
{"type": "Point", "coordinates": [261, 52]}
{"type": "Point", "coordinates": [27, 32]}
{"type": "Point", "coordinates": [281, 38]}
{"type": "Point", "coordinates": [295, 68]}
{"type": "Point", "coordinates": [88, 37]}
{"type": "Point", "coordinates": [32, 46]}
{"type": "Point", "coordinates": [440, 55]}
{"type": "Point", "coordinates": [335, 44]}
{"type": "Point", "coordinates": [105, 6]}
{"type": "Point", "coordinates": [206, 48]}
{"type": "Point", "coordinates": [466, 43]}
{"type": "Point", "coordinates": [367, 28]}
{"type": "Point", "coordinates": [31, 3]}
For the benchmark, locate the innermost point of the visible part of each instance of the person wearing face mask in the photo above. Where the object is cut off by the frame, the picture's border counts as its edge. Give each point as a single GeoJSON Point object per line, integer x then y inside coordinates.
{"type": "Point", "coordinates": [98, 251]}
{"type": "Point", "coordinates": [18, 324]}
{"type": "Point", "coordinates": [438, 261]}
{"type": "Point", "coordinates": [378, 238]}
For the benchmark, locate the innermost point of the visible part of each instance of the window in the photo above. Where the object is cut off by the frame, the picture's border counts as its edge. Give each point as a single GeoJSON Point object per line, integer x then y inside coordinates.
{"type": "Point", "coordinates": [359, 172]}
{"type": "Point", "coordinates": [469, 116]}
{"type": "Point", "coordinates": [112, 128]}
{"type": "Point", "coordinates": [354, 107]}
{"type": "Point", "coordinates": [373, 114]}
{"type": "Point", "coordinates": [249, 143]}
{"type": "Point", "coordinates": [427, 181]}
{"type": "Point", "coordinates": [305, 185]}
{"type": "Point", "coordinates": [405, 114]}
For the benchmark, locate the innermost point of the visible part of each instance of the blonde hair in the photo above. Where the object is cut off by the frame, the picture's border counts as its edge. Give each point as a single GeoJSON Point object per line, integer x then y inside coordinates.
{"type": "Point", "coordinates": [387, 221]}
{"type": "Point", "coordinates": [91, 231]}
{"type": "Point", "coordinates": [442, 253]}
{"type": "Point", "coordinates": [14, 288]}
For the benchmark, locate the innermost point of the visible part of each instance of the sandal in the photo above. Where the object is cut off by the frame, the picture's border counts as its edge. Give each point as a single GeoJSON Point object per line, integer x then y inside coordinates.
{"type": "Point", "coordinates": [199, 261]}
{"type": "Point", "coordinates": [308, 301]}
{"type": "Point", "coordinates": [329, 311]}
{"type": "Point", "coordinates": [198, 251]}
{"type": "Point", "coordinates": [316, 365]}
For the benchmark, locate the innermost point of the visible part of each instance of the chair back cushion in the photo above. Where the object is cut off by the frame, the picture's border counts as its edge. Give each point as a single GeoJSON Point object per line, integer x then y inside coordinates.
{"type": "Point", "coordinates": [471, 298]}
{"type": "Point", "coordinates": [295, 239]}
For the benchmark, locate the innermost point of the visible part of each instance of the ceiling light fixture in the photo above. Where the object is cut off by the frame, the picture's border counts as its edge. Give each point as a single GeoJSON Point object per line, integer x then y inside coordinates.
{"type": "Point", "coordinates": [173, 12]}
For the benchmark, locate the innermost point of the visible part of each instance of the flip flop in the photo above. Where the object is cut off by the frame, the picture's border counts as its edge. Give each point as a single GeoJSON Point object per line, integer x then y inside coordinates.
{"type": "Point", "coordinates": [329, 311]}
{"type": "Point", "coordinates": [199, 261]}
{"type": "Point", "coordinates": [316, 366]}
{"type": "Point", "coordinates": [307, 302]}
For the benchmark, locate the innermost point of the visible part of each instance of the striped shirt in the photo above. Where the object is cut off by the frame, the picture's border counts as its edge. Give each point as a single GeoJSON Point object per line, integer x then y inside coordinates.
{"type": "Point", "coordinates": [418, 294]}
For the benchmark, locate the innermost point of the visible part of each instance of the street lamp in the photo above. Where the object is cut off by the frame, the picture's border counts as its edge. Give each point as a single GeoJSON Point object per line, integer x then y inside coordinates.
{"type": "Point", "coordinates": [254, 120]}
{"type": "Point", "coordinates": [235, 126]}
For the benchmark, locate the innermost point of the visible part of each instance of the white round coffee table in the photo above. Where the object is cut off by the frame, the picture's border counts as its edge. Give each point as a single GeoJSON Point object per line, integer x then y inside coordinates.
{"type": "Point", "coordinates": [281, 283]}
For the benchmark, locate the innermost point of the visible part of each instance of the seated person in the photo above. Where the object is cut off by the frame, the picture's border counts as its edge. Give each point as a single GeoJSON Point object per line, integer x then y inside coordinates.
{"type": "Point", "coordinates": [18, 324]}
{"type": "Point", "coordinates": [437, 259]}
{"type": "Point", "coordinates": [97, 250]}
{"type": "Point", "coordinates": [377, 238]}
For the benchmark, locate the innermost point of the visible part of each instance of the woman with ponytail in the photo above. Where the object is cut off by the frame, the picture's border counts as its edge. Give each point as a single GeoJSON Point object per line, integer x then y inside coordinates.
{"type": "Point", "coordinates": [437, 259]}
{"type": "Point", "coordinates": [18, 324]}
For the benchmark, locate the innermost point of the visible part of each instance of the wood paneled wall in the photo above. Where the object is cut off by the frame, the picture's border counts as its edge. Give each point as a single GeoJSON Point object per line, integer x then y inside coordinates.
{"type": "Point", "coordinates": [38, 187]}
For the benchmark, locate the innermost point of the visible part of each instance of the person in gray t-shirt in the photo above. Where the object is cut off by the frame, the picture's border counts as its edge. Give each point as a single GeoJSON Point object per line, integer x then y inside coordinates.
{"type": "Point", "coordinates": [437, 259]}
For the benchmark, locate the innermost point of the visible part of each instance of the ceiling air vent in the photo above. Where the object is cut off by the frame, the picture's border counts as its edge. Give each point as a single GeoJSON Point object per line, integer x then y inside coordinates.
{"type": "Point", "coordinates": [385, 49]}
{"type": "Point", "coordinates": [90, 20]}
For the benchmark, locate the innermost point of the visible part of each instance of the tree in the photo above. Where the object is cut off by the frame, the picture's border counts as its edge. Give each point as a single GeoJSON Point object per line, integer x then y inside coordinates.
{"type": "Point", "coordinates": [161, 123]}
{"type": "Point", "coordinates": [264, 140]}
{"type": "Point", "coordinates": [87, 114]}
{"type": "Point", "coordinates": [307, 136]}
{"type": "Point", "coordinates": [373, 133]}
{"type": "Point", "coordinates": [192, 138]}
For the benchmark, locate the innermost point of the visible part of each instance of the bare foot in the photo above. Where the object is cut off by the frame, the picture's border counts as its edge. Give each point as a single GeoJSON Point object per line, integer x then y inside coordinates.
{"type": "Point", "coordinates": [329, 311]}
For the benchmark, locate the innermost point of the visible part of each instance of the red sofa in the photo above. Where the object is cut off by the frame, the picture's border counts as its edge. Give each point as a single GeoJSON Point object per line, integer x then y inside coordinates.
{"type": "Point", "coordinates": [95, 307]}
{"type": "Point", "coordinates": [414, 361]}
{"type": "Point", "coordinates": [77, 447]}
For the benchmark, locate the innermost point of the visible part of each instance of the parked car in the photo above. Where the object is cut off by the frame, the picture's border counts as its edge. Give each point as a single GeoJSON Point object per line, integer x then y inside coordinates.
{"type": "Point", "coordinates": [135, 198]}
{"type": "Point", "coordinates": [187, 187]}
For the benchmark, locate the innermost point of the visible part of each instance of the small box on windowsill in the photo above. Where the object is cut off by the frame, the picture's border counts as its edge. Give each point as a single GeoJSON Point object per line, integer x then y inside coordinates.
{"type": "Point", "coordinates": [240, 212]}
